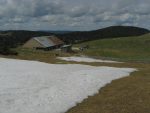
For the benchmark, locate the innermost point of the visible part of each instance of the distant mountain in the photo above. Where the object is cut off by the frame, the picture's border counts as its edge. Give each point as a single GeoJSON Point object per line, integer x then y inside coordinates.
{"type": "Point", "coordinates": [109, 32]}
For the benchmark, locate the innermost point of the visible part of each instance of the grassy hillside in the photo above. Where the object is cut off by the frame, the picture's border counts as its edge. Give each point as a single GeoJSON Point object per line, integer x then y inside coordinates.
{"type": "Point", "coordinates": [129, 48]}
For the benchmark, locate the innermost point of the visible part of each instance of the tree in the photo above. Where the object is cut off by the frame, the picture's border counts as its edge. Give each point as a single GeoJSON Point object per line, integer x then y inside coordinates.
{"type": "Point", "coordinates": [6, 44]}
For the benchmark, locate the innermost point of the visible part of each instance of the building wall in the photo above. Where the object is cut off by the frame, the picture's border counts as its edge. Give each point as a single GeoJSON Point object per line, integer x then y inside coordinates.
{"type": "Point", "coordinates": [32, 44]}
{"type": "Point", "coordinates": [66, 49]}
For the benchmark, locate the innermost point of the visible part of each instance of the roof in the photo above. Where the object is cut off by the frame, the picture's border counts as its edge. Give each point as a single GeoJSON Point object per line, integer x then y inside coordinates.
{"type": "Point", "coordinates": [66, 46]}
{"type": "Point", "coordinates": [48, 41]}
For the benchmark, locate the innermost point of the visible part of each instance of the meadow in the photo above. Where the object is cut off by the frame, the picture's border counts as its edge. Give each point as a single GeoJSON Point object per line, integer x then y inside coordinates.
{"type": "Point", "coordinates": [124, 48]}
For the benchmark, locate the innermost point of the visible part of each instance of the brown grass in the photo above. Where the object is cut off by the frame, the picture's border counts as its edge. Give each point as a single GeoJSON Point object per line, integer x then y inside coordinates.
{"type": "Point", "coordinates": [37, 55]}
{"type": "Point", "coordinates": [126, 95]}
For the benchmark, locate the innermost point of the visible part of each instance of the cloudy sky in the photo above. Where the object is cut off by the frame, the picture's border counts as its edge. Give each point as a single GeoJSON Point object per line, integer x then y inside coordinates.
{"type": "Point", "coordinates": [72, 14]}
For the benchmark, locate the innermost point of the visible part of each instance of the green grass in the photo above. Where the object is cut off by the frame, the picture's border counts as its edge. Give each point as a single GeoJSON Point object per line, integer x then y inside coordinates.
{"type": "Point", "coordinates": [124, 48]}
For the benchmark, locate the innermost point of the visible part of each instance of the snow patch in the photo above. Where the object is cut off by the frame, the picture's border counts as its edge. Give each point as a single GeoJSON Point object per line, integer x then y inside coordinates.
{"type": "Point", "coordinates": [86, 59]}
{"type": "Point", "coordinates": [35, 87]}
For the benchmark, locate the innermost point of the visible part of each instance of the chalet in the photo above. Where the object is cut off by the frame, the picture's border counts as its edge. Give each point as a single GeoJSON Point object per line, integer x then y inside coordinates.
{"type": "Point", "coordinates": [44, 42]}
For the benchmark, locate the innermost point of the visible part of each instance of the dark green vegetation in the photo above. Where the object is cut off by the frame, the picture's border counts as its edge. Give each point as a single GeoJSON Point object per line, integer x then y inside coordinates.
{"type": "Point", "coordinates": [129, 48]}
{"type": "Point", "coordinates": [6, 44]}
{"type": "Point", "coordinates": [109, 32]}
{"type": "Point", "coordinates": [20, 37]}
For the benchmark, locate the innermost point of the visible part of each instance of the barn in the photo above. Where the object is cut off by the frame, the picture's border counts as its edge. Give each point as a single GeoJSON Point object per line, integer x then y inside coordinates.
{"type": "Point", "coordinates": [44, 42]}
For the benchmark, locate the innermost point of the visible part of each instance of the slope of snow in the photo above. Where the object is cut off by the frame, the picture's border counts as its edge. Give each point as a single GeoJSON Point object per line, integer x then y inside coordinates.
{"type": "Point", "coordinates": [85, 59]}
{"type": "Point", "coordinates": [35, 87]}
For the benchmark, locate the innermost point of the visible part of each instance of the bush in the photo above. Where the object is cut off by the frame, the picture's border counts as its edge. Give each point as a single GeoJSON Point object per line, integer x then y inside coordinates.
{"type": "Point", "coordinates": [5, 46]}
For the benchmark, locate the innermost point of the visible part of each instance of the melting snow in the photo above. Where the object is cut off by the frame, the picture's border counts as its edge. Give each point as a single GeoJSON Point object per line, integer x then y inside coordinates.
{"type": "Point", "coordinates": [35, 87]}
{"type": "Point", "coordinates": [85, 59]}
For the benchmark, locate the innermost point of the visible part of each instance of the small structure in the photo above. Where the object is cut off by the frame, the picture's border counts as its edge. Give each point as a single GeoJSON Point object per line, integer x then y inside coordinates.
{"type": "Point", "coordinates": [66, 48]}
{"type": "Point", "coordinates": [44, 42]}
{"type": "Point", "coordinates": [85, 47]}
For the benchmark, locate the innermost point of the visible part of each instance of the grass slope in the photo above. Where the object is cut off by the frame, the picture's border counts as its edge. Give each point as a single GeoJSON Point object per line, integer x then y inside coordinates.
{"type": "Point", "coordinates": [128, 48]}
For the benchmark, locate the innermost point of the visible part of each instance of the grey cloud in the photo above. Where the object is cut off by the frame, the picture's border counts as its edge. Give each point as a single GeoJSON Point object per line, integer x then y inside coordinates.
{"type": "Point", "coordinates": [71, 14]}
{"type": "Point", "coordinates": [125, 13]}
{"type": "Point", "coordinates": [78, 11]}
{"type": "Point", "coordinates": [30, 8]}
